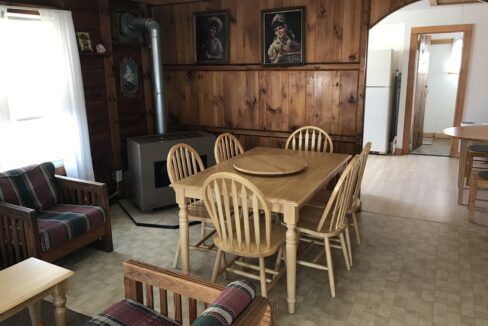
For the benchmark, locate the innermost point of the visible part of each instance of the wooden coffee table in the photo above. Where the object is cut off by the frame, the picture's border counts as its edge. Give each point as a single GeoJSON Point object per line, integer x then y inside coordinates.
{"type": "Point", "coordinates": [26, 283]}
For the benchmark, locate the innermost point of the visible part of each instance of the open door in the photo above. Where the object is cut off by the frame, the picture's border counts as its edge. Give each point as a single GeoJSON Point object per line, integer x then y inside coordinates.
{"type": "Point", "coordinates": [421, 90]}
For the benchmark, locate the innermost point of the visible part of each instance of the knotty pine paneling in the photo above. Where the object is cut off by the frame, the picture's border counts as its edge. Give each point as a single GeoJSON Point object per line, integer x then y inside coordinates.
{"type": "Point", "coordinates": [382, 8]}
{"type": "Point", "coordinates": [264, 100]}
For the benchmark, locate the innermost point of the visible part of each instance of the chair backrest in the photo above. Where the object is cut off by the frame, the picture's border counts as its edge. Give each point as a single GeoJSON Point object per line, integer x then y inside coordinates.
{"type": "Point", "coordinates": [335, 211]}
{"type": "Point", "coordinates": [183, 161]}
{"type": "Point", "coordinates": [226, 147]}
{"type": "Point", "coordinates": [310, 138]}
{"type": "Point", "coordinates": [236, 208]}
{"type": "Point", "coordinates": [363, 157]}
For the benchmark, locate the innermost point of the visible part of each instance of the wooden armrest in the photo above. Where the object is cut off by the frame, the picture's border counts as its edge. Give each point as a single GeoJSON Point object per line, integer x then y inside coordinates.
{"type": "Point", "coordinates": [83, 192]}
{"type": "Point", "coordinates": [27, 215]}
{"type": "Point", "coordinates": [259, 313]}
{"type": "Point", "coordinates": [19, 236]}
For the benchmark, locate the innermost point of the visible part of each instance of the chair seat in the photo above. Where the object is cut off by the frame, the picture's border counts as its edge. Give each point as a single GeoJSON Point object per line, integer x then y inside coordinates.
{"type": "Point", "coordinates": [129, 312]}
{"type": "Point", "coordinates": [278, 238]}
{"type": "Point", "coordinates": [309, 219]}
{"type": "Point", "coordinates": [198, 212]}
{"type": "Point", "coordinates": [478, 148]}
{"type": "Point", "coordinates": [63, 222]}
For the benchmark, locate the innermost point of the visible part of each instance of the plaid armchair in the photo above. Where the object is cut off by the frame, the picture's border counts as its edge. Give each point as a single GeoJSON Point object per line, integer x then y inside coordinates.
{"type": "Point", "coordinates": [47, 216]}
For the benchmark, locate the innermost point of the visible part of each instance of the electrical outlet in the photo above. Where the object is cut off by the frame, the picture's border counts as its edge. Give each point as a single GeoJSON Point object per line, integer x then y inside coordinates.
{"type": "Point", "coordinates": [118, 176]}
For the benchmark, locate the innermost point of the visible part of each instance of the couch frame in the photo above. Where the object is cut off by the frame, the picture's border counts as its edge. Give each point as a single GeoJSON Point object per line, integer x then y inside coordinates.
{"type": "Point", "coordinates": [140, 279]}
{"type": "Point", "coordinates": [19, 232]}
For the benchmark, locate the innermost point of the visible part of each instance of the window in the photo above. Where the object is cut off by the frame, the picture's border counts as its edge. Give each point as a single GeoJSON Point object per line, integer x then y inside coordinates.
{"type": "Point", "coordinates": [42, 110]}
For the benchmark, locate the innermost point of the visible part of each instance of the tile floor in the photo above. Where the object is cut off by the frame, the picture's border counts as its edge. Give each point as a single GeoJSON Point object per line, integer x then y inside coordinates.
{"type": "Point", "coordinates": [407, 271]}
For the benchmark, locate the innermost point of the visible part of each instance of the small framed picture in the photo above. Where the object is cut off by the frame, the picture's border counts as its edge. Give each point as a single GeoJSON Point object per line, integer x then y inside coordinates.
{"type": "Point", "coordinates": [283, 36]}
{"type": "Point", "coordinates": [84, 42]}
{"type": "Point", "coordinates": [211, 37]}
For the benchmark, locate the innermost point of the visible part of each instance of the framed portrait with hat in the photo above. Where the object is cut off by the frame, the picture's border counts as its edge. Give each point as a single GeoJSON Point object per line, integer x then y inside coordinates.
{"type": "Point", "coordinates": [283, 36]}
{"type": "Point", "coordinates": [211, 37]}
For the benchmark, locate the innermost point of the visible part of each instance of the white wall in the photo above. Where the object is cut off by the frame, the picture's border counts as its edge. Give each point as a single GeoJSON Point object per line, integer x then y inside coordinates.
{"type": "Point", "coordinates": [421, 14]}
{"type": "Point", "coordinates": [441, 98]}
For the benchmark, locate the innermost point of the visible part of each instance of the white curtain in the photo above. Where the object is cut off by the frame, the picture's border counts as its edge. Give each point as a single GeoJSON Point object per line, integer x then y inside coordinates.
{"type": "Point", "coordinates": [42, 106]}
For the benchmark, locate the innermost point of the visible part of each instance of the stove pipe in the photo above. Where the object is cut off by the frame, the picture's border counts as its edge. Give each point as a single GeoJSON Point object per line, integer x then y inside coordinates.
{"type": "Point", "coordinates": [138, 25]}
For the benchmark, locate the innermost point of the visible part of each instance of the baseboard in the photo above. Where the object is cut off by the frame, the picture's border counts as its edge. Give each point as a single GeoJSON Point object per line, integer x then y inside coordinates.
{"type": "Point", "coordinates": [435, 135]}
{"type": "Point", "coordinates": [398, 151]}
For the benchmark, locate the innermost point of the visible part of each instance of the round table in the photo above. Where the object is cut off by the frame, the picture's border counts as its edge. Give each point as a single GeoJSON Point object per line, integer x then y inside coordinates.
{"type": "Point", "coordinates": [467, 135]}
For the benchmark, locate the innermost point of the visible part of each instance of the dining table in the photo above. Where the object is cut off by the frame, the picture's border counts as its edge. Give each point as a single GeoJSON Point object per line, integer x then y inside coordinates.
{"type": "Point", "coordinates": [285, 192]}
{"type": "Point", "coordinates": [467, 135]}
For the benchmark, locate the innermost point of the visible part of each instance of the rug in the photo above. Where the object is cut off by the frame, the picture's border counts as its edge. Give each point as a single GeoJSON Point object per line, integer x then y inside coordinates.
{"type": "Point", "coordinates": [47, 312]}
{"type": "Point", "coordinates": [165, 218]}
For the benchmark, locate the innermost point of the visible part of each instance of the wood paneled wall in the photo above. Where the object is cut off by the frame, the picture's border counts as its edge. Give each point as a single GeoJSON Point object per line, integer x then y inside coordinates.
{"type": "Point", "coordinates": [251, 100]}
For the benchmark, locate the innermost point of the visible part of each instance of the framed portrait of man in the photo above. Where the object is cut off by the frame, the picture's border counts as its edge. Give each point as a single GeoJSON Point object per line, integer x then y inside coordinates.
{"type": "Point", "coordinates": [283, 36]}
{"type": "Point", "coordinates": [84, 42]}
{"type": "Point", "coordinates": [211, 37]}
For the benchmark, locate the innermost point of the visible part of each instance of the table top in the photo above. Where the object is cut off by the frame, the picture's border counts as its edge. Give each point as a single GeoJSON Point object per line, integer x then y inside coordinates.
{"type": "Point", "coordinates": [270, 163]}
{"type": "Point", "coordinates": [478, 132]}
{"type": "Point", "coordinates": [26, 279]}
{"type": "Point", "coordinates": [294, 189]}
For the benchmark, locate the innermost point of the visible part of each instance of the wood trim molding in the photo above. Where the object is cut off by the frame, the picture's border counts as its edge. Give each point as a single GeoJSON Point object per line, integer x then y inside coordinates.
{"type": "Point", "coordinates": [442, 41]}
{"type": "Point", "coordinates": [467, 29]}
{"type": "Point", "coordinates": [258, 67]}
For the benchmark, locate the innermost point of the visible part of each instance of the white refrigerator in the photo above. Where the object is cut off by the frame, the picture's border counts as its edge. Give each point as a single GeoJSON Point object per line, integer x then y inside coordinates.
{"type": "Point", "coordinates": [378, 102]}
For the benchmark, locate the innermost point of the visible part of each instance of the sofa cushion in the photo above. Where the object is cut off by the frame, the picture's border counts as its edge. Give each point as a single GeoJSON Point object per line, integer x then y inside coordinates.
{"type": "Point", "coordinates": [31, 186]}
{"type": "Point", "coordinates": [63, 222]}
{"type": "Point", "coordinates": [128, 312]}
{"type": "Point", "coordinates": [233, 300]}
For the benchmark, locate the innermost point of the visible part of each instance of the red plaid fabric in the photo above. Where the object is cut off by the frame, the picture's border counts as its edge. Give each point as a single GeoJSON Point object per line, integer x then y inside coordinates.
{"type": "Point", "coordinates": [31, 186]}
{"type": "Point", "coordinates": [130, 313]}
{"type": "Point", "coordinates": [233, 300]}
{"type": "Point", "coordinates": [64, 222]}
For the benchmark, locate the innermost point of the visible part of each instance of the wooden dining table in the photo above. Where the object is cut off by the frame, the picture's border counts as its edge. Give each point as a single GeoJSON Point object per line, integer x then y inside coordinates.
{"type": "Point", "coordinates": [286, 194]}
{"type": "Point", "coordinates": [467, 135]}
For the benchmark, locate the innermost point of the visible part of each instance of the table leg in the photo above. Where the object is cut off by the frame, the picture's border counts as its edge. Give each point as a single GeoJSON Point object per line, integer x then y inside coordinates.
{"type": "Point", "coordinates": [59, 304]}
{"type": "Point", "coordinates": [35, 313]}
{"type": "Point", "coordinates": [184, 233]}
{"type": "Point", "coordinates": [462, 170]}
{"type": "Point", "coordinates": [291, 217]}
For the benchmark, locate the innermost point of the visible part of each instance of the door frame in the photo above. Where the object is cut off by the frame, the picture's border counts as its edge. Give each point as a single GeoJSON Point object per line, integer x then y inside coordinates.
{"type": "Point", "coordinates": [467, 30]}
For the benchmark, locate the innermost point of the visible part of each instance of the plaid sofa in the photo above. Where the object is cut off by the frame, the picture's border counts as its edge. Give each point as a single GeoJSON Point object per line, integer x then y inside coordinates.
{"type": "Point", "coordinates": [57, 221]}
{"type": "Point", "coordinates": [223, 311]}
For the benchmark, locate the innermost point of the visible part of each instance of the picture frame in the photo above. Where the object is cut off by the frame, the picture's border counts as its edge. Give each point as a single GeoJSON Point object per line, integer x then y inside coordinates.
{"type": "Point", "coordinates": [84, 42]}
{"type": "Point", "coordinates": [129, 77]}
{"type": "Point", "coordinates": [283, 41]}
{"type": "Point", "coordinates": [211, 37]}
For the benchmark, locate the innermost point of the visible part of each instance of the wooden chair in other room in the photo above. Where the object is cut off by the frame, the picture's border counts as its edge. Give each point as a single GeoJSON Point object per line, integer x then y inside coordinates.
{"type": "Point", "coordinates": [479, 180]}
{"type": "Point", "coordinates": [242, 218]}
{"type": "Point", "coordinates": [318, 226]}
{"type": "Point", "coordinates": [310, 138]}
{"type": "Point", "coordinates": [183, 161]}
{"type": "Point", "coordinates": [476, 151]}
{"type": "Point", "coordinates": [226, 147]}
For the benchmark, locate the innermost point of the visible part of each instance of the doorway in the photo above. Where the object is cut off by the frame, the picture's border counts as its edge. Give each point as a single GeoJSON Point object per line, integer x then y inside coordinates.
{"type": "Point", "coordinates": [426, 114]}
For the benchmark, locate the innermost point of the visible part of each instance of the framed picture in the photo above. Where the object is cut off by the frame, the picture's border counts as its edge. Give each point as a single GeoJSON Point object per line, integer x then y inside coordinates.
{"type": "Point", "coordinates": [129, 79]}
{"type": "Point", "coordinates": [84, 42]}
{"type": "Point", "coordinates": [283, 36]}
{"type": "Point", "coordinates": [211, 37]}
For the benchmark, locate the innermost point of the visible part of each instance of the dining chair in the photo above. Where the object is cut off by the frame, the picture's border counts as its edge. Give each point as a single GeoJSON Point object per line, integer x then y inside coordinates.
{"type": "Point", "coordinates": [183, 161]}
{"type": "Point", "coordinates": [310, 138]}
{"type": "Point", "coordinates": [477, 153]}
{"type": "Point", "coordinates": [242, 219]}
{"type": "Point", "coordinates": [226, 147]}
{"type": "Point", "coordinates": [355, 201]}
{"type": "Point", "coordinates": [322, 226]}
{"type": "Point", "coordinates": [479, 180]}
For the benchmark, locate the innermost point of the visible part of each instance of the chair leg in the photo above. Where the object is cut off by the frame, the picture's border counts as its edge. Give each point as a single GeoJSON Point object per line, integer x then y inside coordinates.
{"type": "Point", "coordinates": [344, 251]}
{"type": "Point", "coordinates": [348, 242]}
{"type": "Point", "coordinates": [177, 254]}
{"type": "Point", "coordinates": [215, 272]}
{"type": "Point", "coordinates": [278, 259]}
{"type": "Point", "coordinates": [469, 167]}
{"type": "Point", "coordinates": [262, 277]}
{"type": "Point", "coordinates": [330, 269]}
{"type": "Point", "coordinates": [473, 193]}
{"type": "Point", "coordinates": [356, 226]}
{"type": "Point", "coordinates": [202, 230]}
{"type": "Point", "coordinates": [224, 262]}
